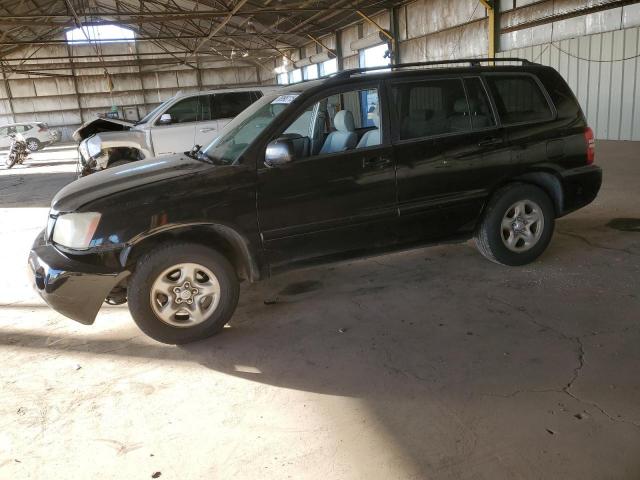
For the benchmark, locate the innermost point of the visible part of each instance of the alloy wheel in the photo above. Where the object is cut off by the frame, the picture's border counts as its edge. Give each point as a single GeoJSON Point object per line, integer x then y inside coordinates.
{"type": "Point", "coordinates": [185, 295]}
{"type": "Point", "coordinates": [522, 226]}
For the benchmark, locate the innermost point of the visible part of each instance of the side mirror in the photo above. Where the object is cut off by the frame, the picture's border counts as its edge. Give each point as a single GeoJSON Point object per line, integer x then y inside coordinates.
{"type": "Point", "coordinates": [279, 152]}
{"type": "Point", "coordinates": [165, 119]}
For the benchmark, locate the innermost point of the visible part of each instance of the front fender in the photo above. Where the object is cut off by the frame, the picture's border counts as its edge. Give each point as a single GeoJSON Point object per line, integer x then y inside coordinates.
{"type": "Point", "coordinates": [246, 258]}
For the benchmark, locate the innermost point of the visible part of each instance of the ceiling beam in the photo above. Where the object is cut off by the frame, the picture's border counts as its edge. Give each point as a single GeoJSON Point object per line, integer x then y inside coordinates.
{"type": "Point", "coordinates": [132, 62]}
{"type": "Point", "coordinates": [201, 55]}
{"type": "Point", "coordinates": [171, 15]}
{"type": "Point", "coordinates": [151, 39]}
{"type": "Point", "coordinates": [220, 26]}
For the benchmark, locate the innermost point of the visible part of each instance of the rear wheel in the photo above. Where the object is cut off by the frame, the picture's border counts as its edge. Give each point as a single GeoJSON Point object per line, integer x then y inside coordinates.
{"type": "Point", "coordinates": [182, 292]}
{"type": "Point", "coordinates": [33, 144]}
{"type": "Point", "coordinates": [517, 225]}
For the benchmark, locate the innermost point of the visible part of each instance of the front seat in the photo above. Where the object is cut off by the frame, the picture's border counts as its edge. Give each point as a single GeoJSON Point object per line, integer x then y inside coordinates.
{"type": "Point", "coordinates": [344, 138]}
{"type": "Point", "coordinates": [371, 137]}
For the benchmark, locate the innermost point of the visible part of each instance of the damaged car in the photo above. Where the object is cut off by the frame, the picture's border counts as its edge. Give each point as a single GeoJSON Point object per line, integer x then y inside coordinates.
{"type": "Point", "coordinates": [174, 126]}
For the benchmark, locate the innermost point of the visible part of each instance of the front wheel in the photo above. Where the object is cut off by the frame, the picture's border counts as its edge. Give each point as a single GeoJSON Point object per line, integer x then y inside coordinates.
{"type": "Point", "coordinates": [182, 292]}
{"type": "Point", "coordinates": [33, 144]}
{"type": "Point", "coordinates": [10, 161]}
{"type": "Point", "coordinates": [517, 225]}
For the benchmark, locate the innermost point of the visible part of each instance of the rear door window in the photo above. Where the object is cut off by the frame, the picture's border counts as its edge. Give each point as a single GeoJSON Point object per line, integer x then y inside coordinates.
{"type": "Point", "coordinates": [430, 107]}
{"type": "Point", "coordinates": [519, 99]}
{"type": "Point", "coordinates": [229, 105]}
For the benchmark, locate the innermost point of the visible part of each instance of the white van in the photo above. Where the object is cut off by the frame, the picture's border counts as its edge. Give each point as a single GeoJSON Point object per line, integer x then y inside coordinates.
{"type": "Point", "coordinates": [174, 126]}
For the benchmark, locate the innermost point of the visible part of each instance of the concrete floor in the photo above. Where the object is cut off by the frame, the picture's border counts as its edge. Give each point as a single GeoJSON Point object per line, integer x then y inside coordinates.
{"type": "Point", "coordinates": [431, 364]}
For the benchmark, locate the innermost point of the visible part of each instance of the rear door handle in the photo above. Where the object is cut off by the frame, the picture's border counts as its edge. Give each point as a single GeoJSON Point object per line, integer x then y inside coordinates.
{"type": "Point", "coordinates": [376, 162]}
{"type": "Point", "coordinates": [490, 142]}
{"type": "Point", "coordinates": [205, 130]}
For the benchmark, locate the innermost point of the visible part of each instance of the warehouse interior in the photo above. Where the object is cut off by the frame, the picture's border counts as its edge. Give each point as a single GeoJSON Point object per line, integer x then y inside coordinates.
{"type": "Point", "coordinates": [430, 363]}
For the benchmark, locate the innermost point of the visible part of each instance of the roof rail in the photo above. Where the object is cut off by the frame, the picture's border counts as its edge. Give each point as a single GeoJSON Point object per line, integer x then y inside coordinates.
{"type": "Point", "coordinates": [473, 62]}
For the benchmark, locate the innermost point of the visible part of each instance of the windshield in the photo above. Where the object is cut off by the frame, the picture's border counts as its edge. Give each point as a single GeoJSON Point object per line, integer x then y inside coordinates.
{"type": "Point", "coordinates": [238, 134]}
{"type": "Point", "coordinates": [148, 116]}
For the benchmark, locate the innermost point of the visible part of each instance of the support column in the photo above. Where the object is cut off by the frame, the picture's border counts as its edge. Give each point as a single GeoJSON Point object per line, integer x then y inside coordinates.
{"type": "Point", "coordinates": [494, 26]}
{"type": "Point", "coordinates": [339, 56]}
{"type": "Point", "coordinates": [198, 73]}
{"type": "Point", "coordinates": [393, 23]}
{"type": "Point", "coordinates": [75, 83]}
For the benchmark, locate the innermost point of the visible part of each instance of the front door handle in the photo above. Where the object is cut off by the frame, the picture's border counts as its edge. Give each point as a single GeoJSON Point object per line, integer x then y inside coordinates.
{"type": "Point", "coordinates": [205, 130]}
{"type": "Point", "coordinates": [376, 162]}
{"type": "Point", "coordinates": [489, 142]}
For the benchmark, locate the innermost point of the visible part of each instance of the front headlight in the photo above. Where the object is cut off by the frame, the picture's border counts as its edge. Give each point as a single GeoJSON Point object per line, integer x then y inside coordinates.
{"type": "Point", "coordinates": [94, 146]}
{"type": "Point", "coordinates": [84, 153]}
{"type": "Point", "coordinates": [75, 230]}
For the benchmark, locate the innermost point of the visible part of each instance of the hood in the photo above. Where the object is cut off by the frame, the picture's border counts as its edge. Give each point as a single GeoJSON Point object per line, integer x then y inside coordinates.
{"type": "Point", "coordinates": [125, 177]}
{"type": "Point", "coordinates": [101, 125]}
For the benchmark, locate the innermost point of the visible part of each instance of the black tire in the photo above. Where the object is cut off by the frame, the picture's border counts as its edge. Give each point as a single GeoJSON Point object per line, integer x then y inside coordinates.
{"type": "Point", "coordinates": [10, 161]}
{"type": "Point", "coordinates": [151, 265]}
{"type": "Point", "coordinates": [33, 144]}
{"type": "Point", "coordinates": [489, 235]}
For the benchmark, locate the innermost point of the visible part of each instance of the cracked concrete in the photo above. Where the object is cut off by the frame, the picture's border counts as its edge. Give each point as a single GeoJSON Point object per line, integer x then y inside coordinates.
{"type": "Point", "coordinates": [433, 363]}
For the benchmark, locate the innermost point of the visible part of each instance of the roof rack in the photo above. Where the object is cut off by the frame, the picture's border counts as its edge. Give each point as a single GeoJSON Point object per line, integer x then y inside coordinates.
{"type": "Point", "coordinates": [473, 62]}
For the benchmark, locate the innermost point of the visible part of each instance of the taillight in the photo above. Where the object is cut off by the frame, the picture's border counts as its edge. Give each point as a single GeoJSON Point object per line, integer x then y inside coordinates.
{"type": "Point", "coordinates": [591, 145]}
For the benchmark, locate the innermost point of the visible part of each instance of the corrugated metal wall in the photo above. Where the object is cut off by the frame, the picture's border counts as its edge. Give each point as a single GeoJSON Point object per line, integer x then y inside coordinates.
{"type": "Point", "coordinates": [603, 71]}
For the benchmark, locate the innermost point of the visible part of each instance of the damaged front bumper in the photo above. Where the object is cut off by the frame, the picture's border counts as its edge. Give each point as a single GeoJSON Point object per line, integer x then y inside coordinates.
{"type": "Point", "coordinates": [71, 287]}
{"type": "Point", "coordinates": [88, 164]}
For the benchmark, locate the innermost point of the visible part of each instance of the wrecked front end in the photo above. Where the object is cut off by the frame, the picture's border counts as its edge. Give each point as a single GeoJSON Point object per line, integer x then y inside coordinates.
{"type": "Point", "coordinates": [107, 149]}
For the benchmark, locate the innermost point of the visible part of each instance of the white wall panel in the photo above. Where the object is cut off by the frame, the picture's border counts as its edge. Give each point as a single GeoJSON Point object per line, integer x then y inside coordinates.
{"type": "Point", "coordinates": [602, 70]}
{"type": "Point", "coordinates": [631, 16]}
{"type": "Point", "coordinates": [629, 83]}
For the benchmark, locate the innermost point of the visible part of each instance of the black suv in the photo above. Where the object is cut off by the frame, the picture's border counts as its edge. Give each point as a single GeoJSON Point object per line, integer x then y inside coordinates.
{"type": "Point", "coordinates": [356, 164]}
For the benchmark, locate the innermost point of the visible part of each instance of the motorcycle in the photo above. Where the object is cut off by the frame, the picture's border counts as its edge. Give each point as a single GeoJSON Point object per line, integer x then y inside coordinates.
{"type": "Point", "coordinates": [17, 151]}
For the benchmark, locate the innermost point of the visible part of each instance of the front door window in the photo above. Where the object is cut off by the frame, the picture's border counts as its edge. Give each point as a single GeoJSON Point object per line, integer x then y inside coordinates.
{"type": "Point", "coordinates": [338, 123]}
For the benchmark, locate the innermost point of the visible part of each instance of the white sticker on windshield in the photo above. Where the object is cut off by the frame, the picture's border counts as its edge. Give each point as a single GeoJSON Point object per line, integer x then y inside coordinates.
{"type": "Point", "coordinates": [284, 99]}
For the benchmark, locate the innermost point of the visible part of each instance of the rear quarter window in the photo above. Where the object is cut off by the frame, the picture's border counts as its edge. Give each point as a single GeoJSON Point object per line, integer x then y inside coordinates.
{"type": "Point", "coordinates": [561, 94]}
{"type": "Point", "coordinates": [519, 99]}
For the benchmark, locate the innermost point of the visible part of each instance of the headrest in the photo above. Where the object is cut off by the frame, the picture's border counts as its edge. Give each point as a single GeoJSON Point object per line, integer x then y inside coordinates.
{"type": "Point", "coordinates": [343, 121]}
{"type": "Point", "coordinates": [375, 117]}
{"type": "Point", "coordinates": [461, 106]}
